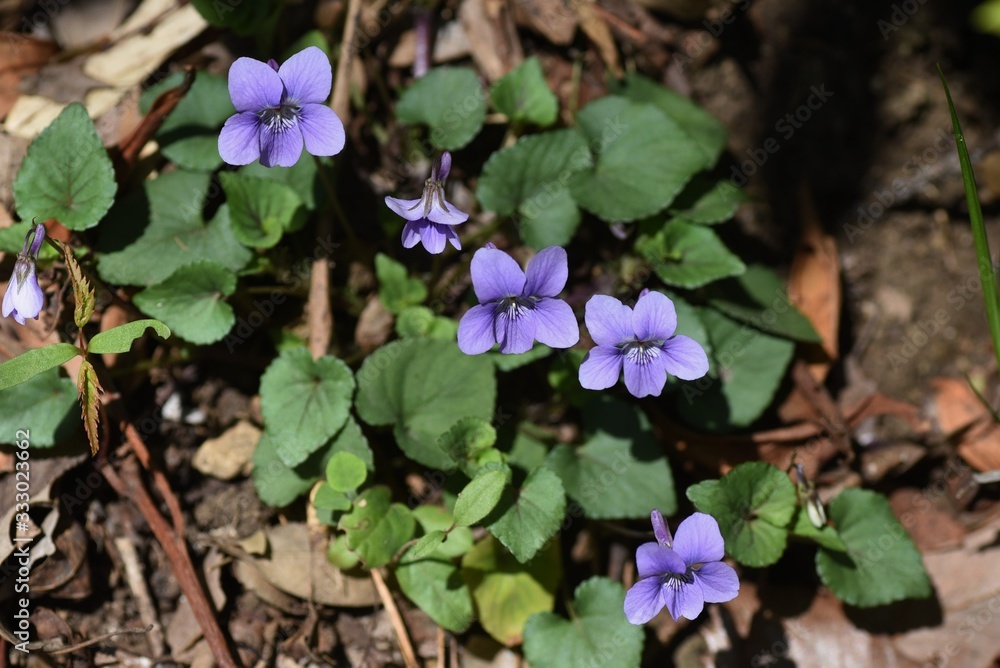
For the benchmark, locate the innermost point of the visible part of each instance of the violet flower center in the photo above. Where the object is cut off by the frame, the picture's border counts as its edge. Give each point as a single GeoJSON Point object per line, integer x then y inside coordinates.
{"type": "Point", "coordinates": [433, 190]}
{"type": "Point", "coordinates": [678, 580]}
{"type": "Point", "coordinates": [282, 117]}
{"type": "Point", "coordinates": [514, 307]}
{"type": "Point", "coordinates": [642, 352]}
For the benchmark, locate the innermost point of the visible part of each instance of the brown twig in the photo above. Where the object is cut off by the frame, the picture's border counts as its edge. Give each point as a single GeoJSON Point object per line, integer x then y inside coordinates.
{"type": "Point", "coordinates": [130, 485]}
{"type": "Point", "coordinates": [396, 619]}
{"type": "Point", "coordinates": [127, 152]}
{"type": "Point", "coordinates": [342, 85]}
{"type": "Point", "coordinates": [94, 641]}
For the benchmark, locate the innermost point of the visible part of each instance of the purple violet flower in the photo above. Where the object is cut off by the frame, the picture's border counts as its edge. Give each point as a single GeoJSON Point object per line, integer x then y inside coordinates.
{"type": "Point", "coordinates": [643, 342]}
{"type": "Point", "coordinates": [430, 219]}
{"type": "Point", "coordinates": [280, 108]}
{"type": "Point", "coordinates": [683, 574]}
{"type": "Point", "coordinates": [24, 299]}
{"type": "Point", "coordinates": [516, 308]}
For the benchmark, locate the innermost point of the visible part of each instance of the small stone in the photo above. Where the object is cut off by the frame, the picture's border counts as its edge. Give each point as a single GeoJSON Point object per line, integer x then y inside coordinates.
{"type": "Point", "coordinates": [230, 454]}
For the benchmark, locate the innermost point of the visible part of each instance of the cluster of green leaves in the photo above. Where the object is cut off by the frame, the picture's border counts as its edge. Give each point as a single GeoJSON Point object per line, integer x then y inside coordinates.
{"type": "Point", "coordinates": [864, 555]}
{"type": "Point", "coordinates": [643, 156]}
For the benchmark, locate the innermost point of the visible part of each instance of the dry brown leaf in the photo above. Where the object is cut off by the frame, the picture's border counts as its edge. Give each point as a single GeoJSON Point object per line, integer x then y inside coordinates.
{"type": "Point", "coordinates": [955, 406]}
{"type": "Point", "coordinates": [967, 582]}
{"type": "Point", "coordinates": [230, 454]}
{"type": "Point", "coordinates": [597, 29]}
{"type": "Point", "coordinates": [551, 18]}
{"type": "Point", "coordinates": [374, 325]}
{"type": "Point", "coordinates": [927, 518]}
{"type": "Point", "coordinates": [450, 43]}
{"type": "Point", "coordinates": [19, 56]}
{"type": "Point", "coordinates": [489, 27]}
{"type": "Point", "coordinates": [814, 283]}
{"type": "Point", "coordinates": [297, 569]}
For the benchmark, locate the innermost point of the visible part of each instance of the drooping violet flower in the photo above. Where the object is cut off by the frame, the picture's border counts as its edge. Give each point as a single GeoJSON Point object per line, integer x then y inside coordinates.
{"type": "Point", "coordinates": [641, 341]}
{"type": "Point", "coordinates": [516, 308]}
{"type": "Point", "coordinates": [280, 108]}
{"type": "Point", "coordinates": [681, 574]}
{"type": "Point", "coordinates": [430, 219]}
{"type": "Point", "coordinates": [24, 299]}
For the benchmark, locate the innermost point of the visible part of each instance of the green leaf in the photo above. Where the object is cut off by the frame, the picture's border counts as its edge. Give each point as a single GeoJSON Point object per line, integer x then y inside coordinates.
{"type": "Point", "coordinates": [189, 136]}
{"type": "Point", "coordinates": [525, 519]}
{"type": "Point", "coordinates": [702, 127]}
{"type": "Point", "coordinates": [88, 390]}
{"type": "Point", "coordinates": [83, 294]}
{"type": "Point", "coordinates": [119, 339]}
{"type": "Point", "coordinates": [526, 452]}
{"type": "Point", "coordinates": [531, 179]}
{"type": "Point", "coordinates": [191, 301]}
{"type": "Point", "coordinates": [396, 290]}
{"type": "Point", "coordinates": [175, 236]}
{"type": "Point", "coordinates": [261, 211]}
{"type": "Point", "coordinates": [507, 362]}
{"type": "Point", "coordinates": [278, 484]}
{"type": "Point", "coordinates": [480, 496]}
{"type": "Point", "coordinates": [586, 639]}
{"type": "Point", "coordinates": [436, 587]}
{"type": "Point", "coordinates": [425, 546]}
{"type": "Point", "coordinates": [450, 101]}
{"type": "Point", "coordinates": [67, 174]}
{"type": "Point", "coordinates": [345, 472]}
{"type": "Point", "coordinates": [32, 362]}
{"type": "Point", "coordinates": [707, 202]}
{"type": "Point", "coordinates": [422, 387]}
{"type": "Point", "coordinates": [304, 402]}
{"type": "Point", "coordinates": [300, 177]}
{"type": "Point", "coordinates": [620, 472]}
{"type": "Point", "coordinates": [753, 505]}
{"type": "Point", "coordinates": [826, 536]}
{"type": "Point", "coordinates": [758, 297]}
{"type": "Point", "coordinates": [457, 541]}
{"type": "Point", "coordinates": [42, 406]}
{"type": "Point", "coordinates": [467, 439]}
{"type": "Point", "coordinates": [507, 592]}
{"type": "Point", "coordinates": [421, 321]}
{"type": "Point", "coordinates": [328, 498]}
{"type": "Point", "coordinates": [688, 255]}
{"type": "Point", "coordinates": [523, 95]}
{"type": "Point", "coordinates": [881, 565]}
{"type": "Point", "coordinates": [643, 159]}
{"type": "Point", "coordinates": [338, 554]}
{"type": "Point", "coordinates": [376, 528]}
{"type": "Point", "coordinates": [241, 18]}
{"type": "Point", "coordinates": [750, 364]}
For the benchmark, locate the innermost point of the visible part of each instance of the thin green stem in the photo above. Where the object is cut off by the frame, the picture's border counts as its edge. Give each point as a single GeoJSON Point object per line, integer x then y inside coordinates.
{"type": "Point", "coordinates": [986, 270]}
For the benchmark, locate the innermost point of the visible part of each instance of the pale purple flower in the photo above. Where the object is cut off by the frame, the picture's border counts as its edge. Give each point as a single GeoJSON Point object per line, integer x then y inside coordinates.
{"type": "Point", "coordinates": [516, 308]}
{"type": "Point", "coordinates": [279, 109]}
{"type": "Point", "coordinates": [24, 299]}
{"type": "Point", "coordinates": [681, 574]}
{"type": "Point", "coordinates": [430, 219]}
{"type": "Point", "coordinates": [643, 342]}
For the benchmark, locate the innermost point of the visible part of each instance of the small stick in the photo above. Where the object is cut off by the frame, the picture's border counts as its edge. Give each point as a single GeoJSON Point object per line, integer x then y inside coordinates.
{"type": "Point", "coordinates": [396, 619]}
{"type": "Point", "coordinates": [94, 641]}
{"type": "Point", "coordinates": [133, 574]}
{"type": "Point", "coordinates": [341, 103]}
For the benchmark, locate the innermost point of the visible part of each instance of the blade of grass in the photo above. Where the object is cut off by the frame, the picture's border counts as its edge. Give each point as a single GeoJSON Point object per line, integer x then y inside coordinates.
{"type": "Point", "coordinates": [985, 260]}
